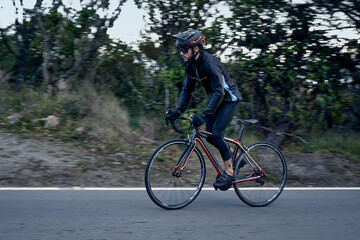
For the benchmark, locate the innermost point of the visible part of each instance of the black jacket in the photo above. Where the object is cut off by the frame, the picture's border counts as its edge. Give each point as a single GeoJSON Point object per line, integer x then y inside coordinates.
{"type": "Point", "coordinates": [209, 72]}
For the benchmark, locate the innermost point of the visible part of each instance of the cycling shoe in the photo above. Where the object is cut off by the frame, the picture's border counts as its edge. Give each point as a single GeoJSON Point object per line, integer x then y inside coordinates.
{"type": "Point", "coordinates": [223, 182]}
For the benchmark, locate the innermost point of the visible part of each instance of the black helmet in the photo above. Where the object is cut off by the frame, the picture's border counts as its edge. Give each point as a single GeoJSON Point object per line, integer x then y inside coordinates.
{"type": "Point", "coordinates": [190, 38]}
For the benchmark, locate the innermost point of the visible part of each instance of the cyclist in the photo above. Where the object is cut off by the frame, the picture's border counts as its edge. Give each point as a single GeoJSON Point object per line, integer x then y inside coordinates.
{"type": "Point", "coordinates": [223, 95]}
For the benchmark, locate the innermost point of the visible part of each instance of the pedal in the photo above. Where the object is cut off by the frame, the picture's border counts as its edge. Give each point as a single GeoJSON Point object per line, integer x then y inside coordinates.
{"type": "Point", "coordinates": [242, 163]}
{"type": "Point", "coordinates": [262, 182]}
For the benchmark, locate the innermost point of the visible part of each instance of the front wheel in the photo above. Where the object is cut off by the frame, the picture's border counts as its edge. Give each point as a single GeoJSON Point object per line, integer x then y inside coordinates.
{"type": "Point", "coordinates": [265, 161]}
{"type": "Point", "coordinates": [169, 189]}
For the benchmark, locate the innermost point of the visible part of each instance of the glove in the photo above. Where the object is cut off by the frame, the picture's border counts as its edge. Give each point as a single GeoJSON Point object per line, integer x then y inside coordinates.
{"type": "Point", "coordinates": [170, 115]}
{"type": "Point", "coordinates": [199, 120]}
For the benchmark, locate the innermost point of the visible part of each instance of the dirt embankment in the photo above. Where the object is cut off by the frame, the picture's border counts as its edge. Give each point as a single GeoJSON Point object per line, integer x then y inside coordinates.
{"type": "Point", "coordinates": [51, 162]}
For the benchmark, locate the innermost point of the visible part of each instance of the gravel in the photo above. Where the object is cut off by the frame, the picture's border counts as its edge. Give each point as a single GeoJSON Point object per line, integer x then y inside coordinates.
{"type": "Point", "coordinates": [48, 161]}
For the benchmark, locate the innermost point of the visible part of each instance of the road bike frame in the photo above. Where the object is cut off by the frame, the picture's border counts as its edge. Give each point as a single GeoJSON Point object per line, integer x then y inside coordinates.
{"type": "Point", "coordinates": [174, 189]}
{"type": "Point", "coordinates": [197, 138]}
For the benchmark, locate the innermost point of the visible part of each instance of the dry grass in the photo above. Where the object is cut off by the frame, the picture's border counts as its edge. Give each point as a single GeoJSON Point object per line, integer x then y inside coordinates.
{"type": "Point", "coordinates": [107, 118]}
{"type": "Point", "coordinates": [100, 113]}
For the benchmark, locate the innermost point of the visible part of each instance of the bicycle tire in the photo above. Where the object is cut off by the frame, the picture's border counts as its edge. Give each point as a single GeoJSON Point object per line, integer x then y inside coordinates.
{"type": "Point", "coordinates": [168, 191]}
{"type": "Point", "coordinates": [262, 192]}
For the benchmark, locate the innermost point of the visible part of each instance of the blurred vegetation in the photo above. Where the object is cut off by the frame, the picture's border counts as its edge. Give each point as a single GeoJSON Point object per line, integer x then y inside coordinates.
{"type": "Point", "coordinates": [296, 76]}
{"type": "Point", "coordinates": [98, 113]}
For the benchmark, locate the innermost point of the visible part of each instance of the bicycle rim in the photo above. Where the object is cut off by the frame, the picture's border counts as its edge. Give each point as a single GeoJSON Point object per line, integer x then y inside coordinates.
{"type": "Point", "coordinates": [261, 192]}
{"type": "Point", "coordinates": [166, 190]}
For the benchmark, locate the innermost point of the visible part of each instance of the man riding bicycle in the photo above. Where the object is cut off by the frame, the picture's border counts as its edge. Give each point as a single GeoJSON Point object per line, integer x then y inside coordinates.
{"type": "Point", "coordinates": [223, 95]}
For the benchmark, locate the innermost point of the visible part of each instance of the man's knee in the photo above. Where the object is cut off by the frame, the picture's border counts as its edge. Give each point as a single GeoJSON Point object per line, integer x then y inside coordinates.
{"type": "Point", "coordinates": [210, 140]}
{"type": "Point", "coordinates": [214, 139]}
{"type": "Point", "coordinates": [217, 139]}
{"type": "Point", "coordinates": [217, 134]}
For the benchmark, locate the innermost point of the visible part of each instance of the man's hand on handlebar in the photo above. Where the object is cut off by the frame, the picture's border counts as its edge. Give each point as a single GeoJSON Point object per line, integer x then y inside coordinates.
{"type": "Point", "coordinates": [171, 114]}
{"type": "Point", "coordinates": [169, 117]}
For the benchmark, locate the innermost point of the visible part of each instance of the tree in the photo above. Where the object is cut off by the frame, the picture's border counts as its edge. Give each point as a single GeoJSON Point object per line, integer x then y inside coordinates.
{"type": "Point", "coordinates": [120, 69]}
{"type": "Point", "coordinates": [293, 80]}
{"type": "Point", "coordinates": [84, 36]}
{"type": "Point", "coordinates": [19, 44]}
{"type": "Point", "coordinates": [167, 18]}
{"type": "Point", "coordinates": [344, 15]}
{"type": "Point", "coordinates": [67, 39]}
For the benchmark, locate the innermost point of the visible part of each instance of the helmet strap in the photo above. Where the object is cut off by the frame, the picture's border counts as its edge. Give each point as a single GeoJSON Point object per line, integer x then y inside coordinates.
{"type": "Point", "coordinates": [193, 57]}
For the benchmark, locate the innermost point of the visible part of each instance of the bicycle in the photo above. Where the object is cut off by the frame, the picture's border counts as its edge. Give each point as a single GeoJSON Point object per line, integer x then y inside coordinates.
{"type": "Point", "coordinates": [175, 172]}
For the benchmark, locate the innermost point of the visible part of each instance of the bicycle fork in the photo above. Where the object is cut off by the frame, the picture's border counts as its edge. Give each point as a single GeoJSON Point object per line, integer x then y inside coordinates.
{"type": "Point", "coordinates": [185, 156]}
{"type": "Point", "coordinates": [183, 160]}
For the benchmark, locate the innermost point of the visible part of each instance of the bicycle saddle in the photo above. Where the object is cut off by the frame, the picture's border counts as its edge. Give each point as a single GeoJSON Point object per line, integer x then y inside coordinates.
{"type": "Point", "coordinates": [246, 121]}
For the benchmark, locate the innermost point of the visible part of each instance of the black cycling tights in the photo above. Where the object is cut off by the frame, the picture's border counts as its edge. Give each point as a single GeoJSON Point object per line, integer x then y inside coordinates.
{"type": "Point", "coordinates": [217, 124]}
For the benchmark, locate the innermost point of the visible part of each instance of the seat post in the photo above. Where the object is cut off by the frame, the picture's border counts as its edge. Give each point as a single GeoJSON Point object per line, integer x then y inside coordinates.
{"type": "Point", "coordinates": [242, 128]}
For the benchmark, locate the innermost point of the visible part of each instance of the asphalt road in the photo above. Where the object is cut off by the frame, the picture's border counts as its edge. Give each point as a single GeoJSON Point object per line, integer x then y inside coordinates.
{"type": "Point", "coordinates": [71, 215]}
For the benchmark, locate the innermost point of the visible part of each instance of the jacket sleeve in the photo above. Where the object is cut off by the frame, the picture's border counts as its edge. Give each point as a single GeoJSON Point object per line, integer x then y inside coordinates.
{"type": "Point", "coordinates": [188, 88]}
{"type": "Point", "coordinates": [217, 93]}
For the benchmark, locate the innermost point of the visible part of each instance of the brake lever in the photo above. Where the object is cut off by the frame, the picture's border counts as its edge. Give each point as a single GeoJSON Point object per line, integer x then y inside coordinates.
{"type": "Point", "coordinates": [197, 128]}
{"type": "Point", "coordinates": [166, 117]}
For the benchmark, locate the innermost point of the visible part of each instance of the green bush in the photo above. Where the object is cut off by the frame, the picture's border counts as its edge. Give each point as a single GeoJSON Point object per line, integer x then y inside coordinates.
{"type": "Point", "coordinates": [341, 143]}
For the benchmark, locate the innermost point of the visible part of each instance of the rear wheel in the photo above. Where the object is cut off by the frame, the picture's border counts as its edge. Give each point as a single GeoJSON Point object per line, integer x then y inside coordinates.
{"type": "Point", "coordinates": [174, 190]}
{"type": "Point", "coordinates": [263, 191]}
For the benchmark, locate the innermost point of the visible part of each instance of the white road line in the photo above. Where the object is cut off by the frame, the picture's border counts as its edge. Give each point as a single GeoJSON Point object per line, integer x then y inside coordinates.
{"type": "Point", "coordinates": [143, 189]}
{"type": "Point", "coordinates": [321, 188]}
{"type": "Point", "coordinates": [70, 189]}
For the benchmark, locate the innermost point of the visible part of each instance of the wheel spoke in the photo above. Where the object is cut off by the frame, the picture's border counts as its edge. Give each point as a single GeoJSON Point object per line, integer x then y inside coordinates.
{"type": "Point", "coordinates": [263, 191]}
{"type": "Point", "coordinates": [166, 190]}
